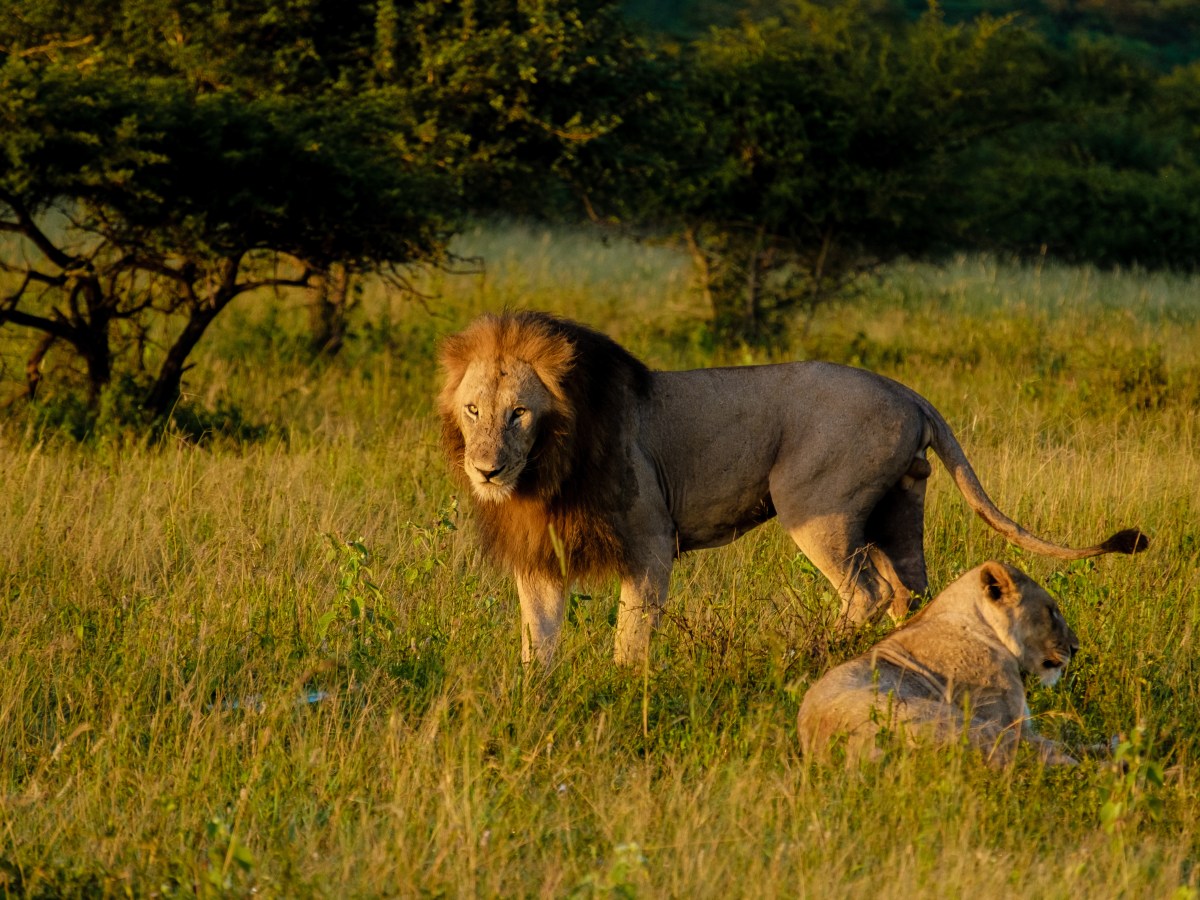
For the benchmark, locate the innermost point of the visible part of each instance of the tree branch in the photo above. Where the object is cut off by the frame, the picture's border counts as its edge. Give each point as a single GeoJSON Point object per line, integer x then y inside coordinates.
{"type": "Point", "coordinates": [49, 49]}
{"type": "Point", "coordinates": [55, 327]}
{"type": "Point", "coordinates": [303, 281]}
{"type": "Point", "coordinates": [39, 277]}
{"type": "Point", "coordinates": [184, 274]}
{"type": "Point", "coordinates": [229, 285]}
{"type": "Point", "coordinates": [28, 227]}
{"type": "Point", "coordinates": [13, 299]}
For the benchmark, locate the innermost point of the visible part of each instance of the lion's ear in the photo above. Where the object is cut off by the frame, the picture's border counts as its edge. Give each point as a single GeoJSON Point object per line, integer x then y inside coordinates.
{"type": "Point", "coordinates": [995, 581]}
{"type": "Point", "coordinates": [552, 364]}
{"type": "Point", "coordinates": [453, 356]}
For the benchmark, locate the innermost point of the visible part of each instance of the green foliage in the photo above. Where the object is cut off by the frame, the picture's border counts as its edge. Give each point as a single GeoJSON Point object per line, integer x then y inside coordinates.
{"type": "Point", "coordinates": [120, 415]}
{"type": "Point", "coordinates": [148, 165]}
{"type": "Point", "coordinates": [1135, 795]}
{"type": "Point", "coordinates": [159, 160]}
{"type": "Point", "coordinates": [360, 609]}
{"type": "Point", "coordinates": [1163, 34]}
{"type": "Point", "coordinates": [227, 858]}
{"type": "Point", "coordinates": [816, 144]}
{"type": "Point", "coordinates": [527, 102]}
{"type": "Point", "coordinates": [491, 93]}
{"type": "Point", "coordinates": [1106, 172]}
{"type": "Point", "coordinates": [143, 209]}
{"type": "Point", "coordinates": [619, 876]}
{"type": "Point", "coordinates": [814, 140]}
{"type": "Point", "coordinates": [273, 45]}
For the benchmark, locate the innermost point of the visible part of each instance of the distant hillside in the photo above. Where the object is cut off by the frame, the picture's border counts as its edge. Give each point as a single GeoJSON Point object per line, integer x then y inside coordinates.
{"type": "Point", "coordinates": [1165, 33]}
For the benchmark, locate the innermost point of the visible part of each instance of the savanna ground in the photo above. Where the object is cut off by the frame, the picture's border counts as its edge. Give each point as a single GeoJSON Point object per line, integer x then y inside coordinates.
{"type": "Point", "coordinates": [279, 665]}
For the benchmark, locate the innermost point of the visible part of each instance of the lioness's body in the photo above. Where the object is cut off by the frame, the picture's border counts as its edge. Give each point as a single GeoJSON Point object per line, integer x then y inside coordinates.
{"type": "Point", "coordinates": [582, 459]}
{"type": "Point", "coordinates": [955, 667]}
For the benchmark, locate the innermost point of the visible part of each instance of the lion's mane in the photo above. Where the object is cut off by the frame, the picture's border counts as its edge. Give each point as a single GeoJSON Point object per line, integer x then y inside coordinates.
{"type": "Point", "coordinates": [577, 477]}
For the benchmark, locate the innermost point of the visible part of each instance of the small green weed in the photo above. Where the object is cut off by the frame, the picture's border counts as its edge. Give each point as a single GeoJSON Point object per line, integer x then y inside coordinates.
{"type": "Point", "coordinates": [358, 607]}
{"type": "Point", "coordinates": [229, 860]}
{"type": "Point", "coordinates": [1135, 791]}
{"type": "Point", "coordinates": [619, 876]}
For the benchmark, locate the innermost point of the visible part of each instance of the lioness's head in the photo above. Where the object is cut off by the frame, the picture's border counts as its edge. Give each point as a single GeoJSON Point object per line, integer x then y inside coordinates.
{"type": "Point", "coordinates": [503, 393]}
{"type": "Point", "coordinates": [1027, 619]}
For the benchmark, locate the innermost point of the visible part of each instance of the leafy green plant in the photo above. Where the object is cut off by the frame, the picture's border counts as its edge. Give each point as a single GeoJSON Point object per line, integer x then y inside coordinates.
{"type": "Point", "coordinates": [619, 876]}
{"type": "Point", "coordinates": [228, 858]}
{"type": "Point", "coordinates": [359, 604]}
{"type": "Point", "coordinates": [1134, 794]}
{"type": "Point", "coordinates": [813, 144]}
{"type": "Point", "coordinates": [431, 544]}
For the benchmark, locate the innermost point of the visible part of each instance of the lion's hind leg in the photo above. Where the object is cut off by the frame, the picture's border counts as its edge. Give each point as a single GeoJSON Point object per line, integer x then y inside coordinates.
{"type": "Point", "coordinates": [895, 531]}
{"type": "Point", "coordinates": [837, 546]}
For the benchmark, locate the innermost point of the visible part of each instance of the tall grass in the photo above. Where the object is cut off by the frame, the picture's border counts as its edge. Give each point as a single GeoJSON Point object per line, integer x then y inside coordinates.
{"type": "Point", "coordinates": [281, 667]}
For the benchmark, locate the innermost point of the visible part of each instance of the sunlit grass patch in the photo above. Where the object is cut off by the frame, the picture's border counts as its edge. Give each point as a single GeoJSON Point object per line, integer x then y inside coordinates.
{"type": "Point", "coordinates": [281, 665]}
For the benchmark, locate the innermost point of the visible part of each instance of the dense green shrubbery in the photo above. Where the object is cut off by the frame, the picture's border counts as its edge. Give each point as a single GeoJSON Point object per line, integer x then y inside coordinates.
{"type": "Point", "coordinates": [159, 161]}
{"type": "Point", "coordinates": [812, 146]}
{"type": "Point", "coordinates": [300, 145]}
{"type": "Point", "coordinates": [816, 143]}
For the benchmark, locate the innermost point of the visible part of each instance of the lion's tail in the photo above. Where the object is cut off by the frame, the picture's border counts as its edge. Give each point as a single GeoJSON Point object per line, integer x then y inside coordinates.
{"type": "Point", "coordinates": [950, 452]}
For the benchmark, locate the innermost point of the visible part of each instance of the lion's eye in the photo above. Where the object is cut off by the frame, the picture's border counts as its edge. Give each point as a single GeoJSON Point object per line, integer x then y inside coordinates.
{"type": "Point", "coordinates": [472, 410]}
{"type": "Point", "coordinates": [519, 411]}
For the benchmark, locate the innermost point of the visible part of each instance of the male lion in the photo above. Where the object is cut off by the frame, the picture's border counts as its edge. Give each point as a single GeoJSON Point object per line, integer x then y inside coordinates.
{"type": "Point", "coordinates": [955, 667]}
{"type": "Point", "coordinates": [583, 461]}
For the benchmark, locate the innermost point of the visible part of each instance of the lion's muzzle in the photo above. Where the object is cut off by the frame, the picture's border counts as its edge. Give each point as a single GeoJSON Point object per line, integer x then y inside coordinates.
{"type": "Point", "coordinates": [1055, 663]}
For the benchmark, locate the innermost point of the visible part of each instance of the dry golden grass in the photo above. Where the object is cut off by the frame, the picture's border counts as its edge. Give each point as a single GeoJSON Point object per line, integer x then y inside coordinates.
{"type": "Point", "coordinates": [170, 612]}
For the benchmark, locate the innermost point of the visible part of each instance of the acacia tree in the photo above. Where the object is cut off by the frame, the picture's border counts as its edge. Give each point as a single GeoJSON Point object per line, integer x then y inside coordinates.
{"type": "Point", "coordinates": [298, 48]}
{"type": "Point", "coordinates": [497, 100]}
{"type": "Point", "coordinates": [141, 209]}
{"type": "Point", "coordinates": [520, 96]}
{"type": "Point", "coordinates": [809, 147]}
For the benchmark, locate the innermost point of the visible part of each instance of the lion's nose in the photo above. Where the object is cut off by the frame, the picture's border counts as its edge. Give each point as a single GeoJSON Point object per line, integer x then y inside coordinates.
{"type": "Point", "coordinates": [489, 474]}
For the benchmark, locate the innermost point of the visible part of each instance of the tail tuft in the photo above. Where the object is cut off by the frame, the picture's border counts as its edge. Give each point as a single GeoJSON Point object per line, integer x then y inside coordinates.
{"type": "Point", "coordinates": [1131, 540]}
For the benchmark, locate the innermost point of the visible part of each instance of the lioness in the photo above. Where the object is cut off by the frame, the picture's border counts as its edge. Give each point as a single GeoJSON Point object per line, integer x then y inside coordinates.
{"type": "Point", "coordinates": [583, 461]}
{"type": "Point", "coordinates": [955, 666]}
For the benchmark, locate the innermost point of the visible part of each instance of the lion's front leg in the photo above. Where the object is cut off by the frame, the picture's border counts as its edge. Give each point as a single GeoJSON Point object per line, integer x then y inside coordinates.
{"type": "Point", "coordinates": [542, 605]}
{"type": "Point", "coordinates": [643, 594]}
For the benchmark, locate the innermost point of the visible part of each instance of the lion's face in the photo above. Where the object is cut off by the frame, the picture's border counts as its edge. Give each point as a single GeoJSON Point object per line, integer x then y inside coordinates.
{"type": "Point", "coordinates": [499, 404]}
{"type": "Point", "coordinates": [1028, 620]}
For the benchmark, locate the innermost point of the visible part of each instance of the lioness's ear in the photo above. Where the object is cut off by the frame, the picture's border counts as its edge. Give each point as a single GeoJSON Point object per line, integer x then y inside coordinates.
{"type": "Point", "coordinates": [995, 581]}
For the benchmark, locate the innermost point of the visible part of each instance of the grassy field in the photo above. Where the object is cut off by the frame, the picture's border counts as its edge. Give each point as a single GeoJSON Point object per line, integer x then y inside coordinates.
{"type": "Point", "coordinates": [280, 667]}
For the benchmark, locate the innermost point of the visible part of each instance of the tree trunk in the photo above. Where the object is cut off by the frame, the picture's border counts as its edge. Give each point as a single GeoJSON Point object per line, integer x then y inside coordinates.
{"type": "Point", "coordinates": [751, 310]}
{"type": "Point", "coordinates": [97, 356]}
{"type": "Point", "coordinates": [700, 261]}
{"type": "Point", "coordinates": [33, 367]}
{"type": "Point", "coordinates": [328, 313]}
{"type": "Point", "coordinates": [165, 391]}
